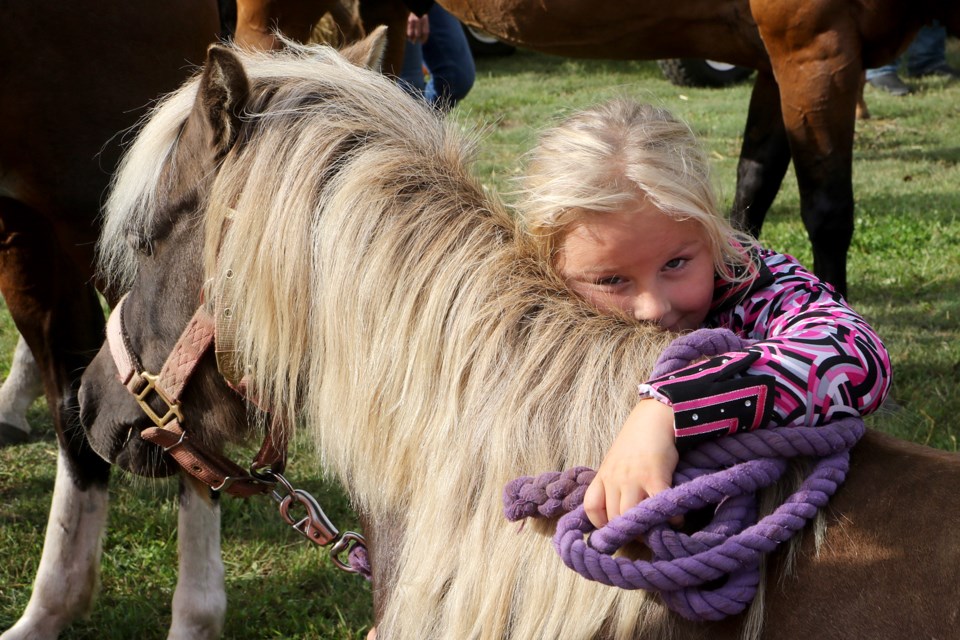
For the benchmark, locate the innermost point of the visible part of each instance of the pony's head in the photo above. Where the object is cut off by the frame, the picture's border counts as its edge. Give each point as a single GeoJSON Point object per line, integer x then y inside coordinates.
{"type": "Point", "coordinates": [153, 244]}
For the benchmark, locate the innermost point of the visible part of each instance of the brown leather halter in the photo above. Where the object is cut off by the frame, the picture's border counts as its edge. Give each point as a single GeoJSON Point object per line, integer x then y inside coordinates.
{"type": "Point", "coordinates": [210, 468]}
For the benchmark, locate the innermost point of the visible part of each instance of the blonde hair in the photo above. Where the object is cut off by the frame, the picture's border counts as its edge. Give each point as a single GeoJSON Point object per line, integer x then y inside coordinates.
{"type": "Point", "coordinates": [614, 155]}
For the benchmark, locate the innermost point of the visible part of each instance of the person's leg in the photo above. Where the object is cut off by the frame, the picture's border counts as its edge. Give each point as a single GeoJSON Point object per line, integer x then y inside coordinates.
{"type": "Point", "coordinates": [873, 74]}
{"type": "Point", "coordinates": [886, 79]}
{"type": "Point", "coordinates": [448, 58]}
{"type": "Point", "coordinates": [411, 75]}
{"type": "Point", "coordinates": [926, 55]}
{"type": "Point", "coordinates": [927, 50]}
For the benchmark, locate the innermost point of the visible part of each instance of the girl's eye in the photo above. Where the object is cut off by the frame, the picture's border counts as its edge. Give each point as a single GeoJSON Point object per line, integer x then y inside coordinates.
{"type": "Point", "coordinates": [610, 281]}
{"type": "Point", "coordinates": [676, 263]}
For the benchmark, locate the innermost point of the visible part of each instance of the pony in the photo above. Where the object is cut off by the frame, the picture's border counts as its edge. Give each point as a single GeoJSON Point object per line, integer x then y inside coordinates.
{"type": "Point", "coordinates": [369, 290]}
{"type": "Point", "coordinates": [810, 58]}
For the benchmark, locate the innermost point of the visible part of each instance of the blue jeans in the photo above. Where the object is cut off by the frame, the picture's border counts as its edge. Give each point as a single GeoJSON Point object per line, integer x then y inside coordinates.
{"type": "Point", "coordinates": [446, 55]}
{"type": "Point", "coordinates": [927, 51]}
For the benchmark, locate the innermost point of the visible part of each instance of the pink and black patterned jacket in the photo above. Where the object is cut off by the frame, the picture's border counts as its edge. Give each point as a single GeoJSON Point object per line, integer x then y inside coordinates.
{"type": "Point", "coordinates": [814, 359]}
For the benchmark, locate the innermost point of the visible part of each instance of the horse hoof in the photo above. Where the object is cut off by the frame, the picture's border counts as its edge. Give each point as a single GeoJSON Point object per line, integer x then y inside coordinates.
{"type": "Point", "coordinates": [11, 435]}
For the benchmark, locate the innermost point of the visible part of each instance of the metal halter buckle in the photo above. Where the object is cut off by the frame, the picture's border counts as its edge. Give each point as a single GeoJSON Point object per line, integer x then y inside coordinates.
{"type": "Point", "coordinates": [173, 408]}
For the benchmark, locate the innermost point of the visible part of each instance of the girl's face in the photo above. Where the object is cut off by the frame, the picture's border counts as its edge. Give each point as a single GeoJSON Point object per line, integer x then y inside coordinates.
{"type": "Point", "coordinates": [642, 262]}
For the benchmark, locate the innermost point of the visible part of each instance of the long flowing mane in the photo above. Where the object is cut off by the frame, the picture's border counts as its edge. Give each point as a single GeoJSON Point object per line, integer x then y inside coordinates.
{"type": "Point", "coordinates": [387, 301]}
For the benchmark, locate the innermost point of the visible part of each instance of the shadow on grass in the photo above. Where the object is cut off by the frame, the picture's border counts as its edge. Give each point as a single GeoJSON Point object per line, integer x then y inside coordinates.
{"type": "Point", "coordinates": [307, 603]}
{"type": "Point", "coordinates": [924, 150]}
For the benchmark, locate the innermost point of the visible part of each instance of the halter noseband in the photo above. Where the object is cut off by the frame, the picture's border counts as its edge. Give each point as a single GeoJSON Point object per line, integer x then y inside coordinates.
{"type": "Point", "coordinates": [212, 469]}
{"type": "Point", "coordinates": [217, 472]}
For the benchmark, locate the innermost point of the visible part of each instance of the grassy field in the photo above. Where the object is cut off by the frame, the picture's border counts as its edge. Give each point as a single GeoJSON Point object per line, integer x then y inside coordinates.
{"type": "Point", "coordinates": [904, 274]}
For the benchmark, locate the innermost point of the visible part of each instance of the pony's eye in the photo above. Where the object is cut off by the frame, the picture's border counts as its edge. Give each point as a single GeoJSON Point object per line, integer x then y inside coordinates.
{"type": "Point", "coordinates": [139, 243]}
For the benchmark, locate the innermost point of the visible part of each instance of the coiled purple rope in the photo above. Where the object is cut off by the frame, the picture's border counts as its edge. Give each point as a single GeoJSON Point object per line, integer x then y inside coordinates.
{"type": "Point", "coordinates": [728, 473]}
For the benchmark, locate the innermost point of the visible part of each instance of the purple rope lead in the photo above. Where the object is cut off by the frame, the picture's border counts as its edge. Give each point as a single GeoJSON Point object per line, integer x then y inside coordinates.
{"type": "Point", "coordinates": [727, 473]}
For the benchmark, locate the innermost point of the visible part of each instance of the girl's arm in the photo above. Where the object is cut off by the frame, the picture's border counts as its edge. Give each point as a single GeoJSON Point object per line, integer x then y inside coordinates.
{"type": "Point", "coordinates": [815, 360]}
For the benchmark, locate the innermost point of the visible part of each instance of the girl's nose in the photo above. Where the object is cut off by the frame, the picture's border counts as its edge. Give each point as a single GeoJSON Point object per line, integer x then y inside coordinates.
{"type": "Point", "coordinates": [650, 306]}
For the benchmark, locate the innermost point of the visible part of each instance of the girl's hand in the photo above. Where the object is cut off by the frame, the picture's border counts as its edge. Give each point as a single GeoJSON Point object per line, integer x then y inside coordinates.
{"type": "Point", "coordinates": [639, 464]}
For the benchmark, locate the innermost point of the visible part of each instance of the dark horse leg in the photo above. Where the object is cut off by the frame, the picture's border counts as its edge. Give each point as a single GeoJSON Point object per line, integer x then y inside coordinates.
{"type": "Point", "coordinates": [393, 14]}
{"type": "Point", "coordinates": [764, 156]}
{"type": "Point", "coordinates": [58, 314]}
{"type": "Point", "coordinates": [818, 69]}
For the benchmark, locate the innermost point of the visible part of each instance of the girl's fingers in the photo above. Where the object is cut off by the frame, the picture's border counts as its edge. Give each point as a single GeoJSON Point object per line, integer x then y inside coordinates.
{"type": "Point", "coordinates": [595, 503]}
{"type": "Point", "coordinates": [613, 502]}
{"type": "Point", "coordinates": [630, 498]}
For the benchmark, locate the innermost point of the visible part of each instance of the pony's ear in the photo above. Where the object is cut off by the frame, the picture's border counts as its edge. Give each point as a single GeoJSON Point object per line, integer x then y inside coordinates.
{"type": "Point", "coordinates": [224, 90]}
{"type": "Point", "coordinates": [368, 52]}
{"type": "Point", "coordinates": [210, 131]}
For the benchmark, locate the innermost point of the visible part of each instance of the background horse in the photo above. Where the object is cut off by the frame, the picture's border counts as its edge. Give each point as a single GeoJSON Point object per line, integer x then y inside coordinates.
{"type": "Point", "coordinates": [810, 56]}
{"type": "Point", "coordinates": [380, 295]}
{"type": "Point", "coordinates": [76, 79]}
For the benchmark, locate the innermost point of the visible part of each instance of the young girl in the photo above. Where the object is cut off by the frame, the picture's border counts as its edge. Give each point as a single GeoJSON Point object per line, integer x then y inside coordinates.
{"type": "Point", "coordinates": [619, 199]}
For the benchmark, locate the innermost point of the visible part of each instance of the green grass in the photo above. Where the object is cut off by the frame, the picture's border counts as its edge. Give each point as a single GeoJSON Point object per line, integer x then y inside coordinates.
{"type": "Point", "coordinates": [904, 274]}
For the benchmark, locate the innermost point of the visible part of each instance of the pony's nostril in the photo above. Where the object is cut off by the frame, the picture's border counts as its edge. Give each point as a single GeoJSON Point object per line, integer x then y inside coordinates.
{"type": "Point", "coordinates": [85, 399]}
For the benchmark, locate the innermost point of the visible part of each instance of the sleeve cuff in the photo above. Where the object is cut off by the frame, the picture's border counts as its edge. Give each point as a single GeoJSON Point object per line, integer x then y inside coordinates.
{"type": "Point", "coordinates": [710, 399]}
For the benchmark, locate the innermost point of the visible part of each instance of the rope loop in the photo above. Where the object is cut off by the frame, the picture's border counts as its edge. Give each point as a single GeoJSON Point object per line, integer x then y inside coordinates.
{"type": "Point", "coordinates": [714, 572]}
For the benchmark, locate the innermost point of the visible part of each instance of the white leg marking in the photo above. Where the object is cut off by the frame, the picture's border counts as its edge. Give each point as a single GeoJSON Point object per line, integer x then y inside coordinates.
{"type": "Point", "coordinates": [200, 600]}
{"type": "Point", "coordinates": [21, 388]}
{"type": "Point", "coordinates": [69, 571]}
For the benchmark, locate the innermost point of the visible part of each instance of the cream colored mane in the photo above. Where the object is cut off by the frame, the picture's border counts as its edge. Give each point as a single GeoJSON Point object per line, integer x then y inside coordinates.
{"type": "Point", "coordinates": [387, 302]}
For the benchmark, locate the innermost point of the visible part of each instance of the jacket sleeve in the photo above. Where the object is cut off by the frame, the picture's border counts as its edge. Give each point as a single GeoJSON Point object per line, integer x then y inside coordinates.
{"type": "Point", "coordinates": [814, 360]}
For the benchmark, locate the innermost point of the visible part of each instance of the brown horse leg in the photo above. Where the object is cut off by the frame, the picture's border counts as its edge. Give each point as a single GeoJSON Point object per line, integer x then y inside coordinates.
{"type": "Point", "coordinates": [818, 69]}
{"type": "Point", "coordinates": [59, 316]}
{"type": "Point", "coordinates": [764, 156]}
{"type": "Point", "coordinates": [826, 205]}
{"type": "Point", "coordinates": [258, 19]}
